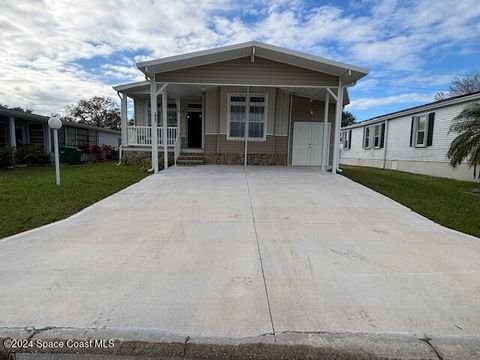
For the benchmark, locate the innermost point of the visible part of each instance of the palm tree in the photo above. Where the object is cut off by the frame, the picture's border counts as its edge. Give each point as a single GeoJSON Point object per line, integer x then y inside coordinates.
{"type": "Point", "coordinates": [467, 143]}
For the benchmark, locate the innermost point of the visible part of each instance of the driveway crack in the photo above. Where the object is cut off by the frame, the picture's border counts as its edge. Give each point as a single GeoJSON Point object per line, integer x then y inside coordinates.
{"type": "Point", "coordinates": [427, 340]}
{"type": "Point", "coordinates": [260, 255]}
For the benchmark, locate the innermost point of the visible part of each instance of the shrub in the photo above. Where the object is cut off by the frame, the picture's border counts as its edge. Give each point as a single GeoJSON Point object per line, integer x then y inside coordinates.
{"type": "Point", "coordinates": [7, 157]}
{"type": "Point", "coordinates": [31, 154]}
{"type": "Point", "coordinates": [110, 152]}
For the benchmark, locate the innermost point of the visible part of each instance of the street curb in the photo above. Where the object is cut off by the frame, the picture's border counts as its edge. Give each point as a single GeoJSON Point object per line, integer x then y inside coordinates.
{"type": "Point", "coordinates": [282, 346]}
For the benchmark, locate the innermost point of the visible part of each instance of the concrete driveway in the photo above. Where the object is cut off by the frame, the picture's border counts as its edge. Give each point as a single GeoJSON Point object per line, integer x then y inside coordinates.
{"type": "Point", "coordinates": [233, 252]}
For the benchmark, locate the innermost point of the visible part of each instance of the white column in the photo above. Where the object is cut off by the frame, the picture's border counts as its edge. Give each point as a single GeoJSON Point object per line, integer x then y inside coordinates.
{"type": "Point", "coordinates": [13, 139]}
{"type": "Point", "coordinates": [123, 117]}
{"type": "Point", "coordinates": [177, 102]}
{"type": "Point", "coordinates": [247, 116]}
{"type": "Point", "coordinates": [154, 134]}
{"type": "Point", "coordinates": [164, 123]}
{"type": "Point", "coordinates": [325, 129]}
{"type": "Point", "coordinates": [338, 122]}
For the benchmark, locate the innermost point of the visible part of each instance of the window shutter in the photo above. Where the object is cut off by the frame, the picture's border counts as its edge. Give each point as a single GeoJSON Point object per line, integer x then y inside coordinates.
{"type": "Point", "coordinates": [350, 139]}
{"type": "Point", "coordinates": [411, 131]}
{"type": "Point", "coordinates": [382, 136]}
{"type": "Point", "coordinates": [431, 121]}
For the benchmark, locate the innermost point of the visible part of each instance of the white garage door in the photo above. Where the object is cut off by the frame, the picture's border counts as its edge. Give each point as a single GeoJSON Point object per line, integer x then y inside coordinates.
{"type": "Point", "coordinates": [307, 143]}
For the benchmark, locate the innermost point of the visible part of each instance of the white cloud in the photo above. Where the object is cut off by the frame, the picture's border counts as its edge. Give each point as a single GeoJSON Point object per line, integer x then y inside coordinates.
{"type": "Point", "coordinates": [368, 102]}
{"type": "Point", "coordinates": [41, 40]}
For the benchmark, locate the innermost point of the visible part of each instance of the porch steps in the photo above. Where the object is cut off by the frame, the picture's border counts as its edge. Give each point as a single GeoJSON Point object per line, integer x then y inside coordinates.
{"type": "Point", "coordinates": [190, 159]}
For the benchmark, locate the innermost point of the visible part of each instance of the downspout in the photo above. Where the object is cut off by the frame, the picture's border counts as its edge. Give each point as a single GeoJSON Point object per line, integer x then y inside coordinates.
{"type": "Point", "coordinates": [289, 128]}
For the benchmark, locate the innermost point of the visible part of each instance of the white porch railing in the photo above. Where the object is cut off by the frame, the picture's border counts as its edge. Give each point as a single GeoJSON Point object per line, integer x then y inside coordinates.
{"type": "Point", "coordinates": [142, 135]}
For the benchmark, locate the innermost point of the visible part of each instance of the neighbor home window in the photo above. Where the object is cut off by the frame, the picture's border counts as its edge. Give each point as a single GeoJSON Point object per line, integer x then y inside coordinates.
{"type": "Point", "coordinates": [420, 126]}
{"type": "Point", "coordinates": [237, 106]}
{"type": "Point", "coordinates": [346, 139]}
{"type": "Point", "coordinates": [367, 137]}
{"type": "Point", "coordinates": [376, 136]}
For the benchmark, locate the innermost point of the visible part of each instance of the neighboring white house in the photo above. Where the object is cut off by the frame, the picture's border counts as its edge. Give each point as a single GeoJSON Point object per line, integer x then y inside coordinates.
{"type": "Point", "coordinates": [414, 140]}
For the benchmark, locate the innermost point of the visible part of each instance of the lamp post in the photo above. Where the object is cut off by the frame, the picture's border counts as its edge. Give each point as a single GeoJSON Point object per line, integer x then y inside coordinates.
{"type": "Point", "coordinates": [55, 124]}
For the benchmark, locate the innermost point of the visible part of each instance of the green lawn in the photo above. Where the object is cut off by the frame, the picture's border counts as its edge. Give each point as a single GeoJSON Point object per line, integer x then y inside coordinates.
{"type": "Point", "coordinates": [30, 198]}
{"type": "Point", "coordinates": [447, 202]}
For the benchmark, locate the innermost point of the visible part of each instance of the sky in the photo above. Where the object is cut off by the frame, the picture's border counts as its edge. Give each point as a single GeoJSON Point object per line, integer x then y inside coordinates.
{"type": "Point", "coordinates": [55, 52]}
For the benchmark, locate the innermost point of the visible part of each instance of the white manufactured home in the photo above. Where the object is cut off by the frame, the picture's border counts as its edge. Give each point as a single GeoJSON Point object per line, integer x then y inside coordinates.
{"type": "Point", "coordinates": [414, 140]}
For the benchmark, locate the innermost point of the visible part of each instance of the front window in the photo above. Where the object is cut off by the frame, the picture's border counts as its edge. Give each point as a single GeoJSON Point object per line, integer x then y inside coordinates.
{"type": "Point", "coordinates": [237, 106]}
{"type": "Point", "coordinates": [420, 130]}
{"type": "Point", "coordinates": [171, 114]}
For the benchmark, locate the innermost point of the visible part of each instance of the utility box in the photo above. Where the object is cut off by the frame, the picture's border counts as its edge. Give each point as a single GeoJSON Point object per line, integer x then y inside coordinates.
{"type": "Point", "coordinates": [69, 155]}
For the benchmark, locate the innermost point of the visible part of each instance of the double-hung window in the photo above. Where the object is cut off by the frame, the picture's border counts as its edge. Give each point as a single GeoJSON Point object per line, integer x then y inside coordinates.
{"type": "Point", "coordinates": [257, 119]}
{"type": "Point", "coordinates": [376, 136]}
{"type": "Point", "coordinates": [420, 131]}
{"type": "Point", "coordinates": [367, 137]}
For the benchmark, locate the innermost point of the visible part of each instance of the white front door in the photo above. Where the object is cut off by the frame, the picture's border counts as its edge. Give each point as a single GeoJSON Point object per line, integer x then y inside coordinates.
{"type": "Point", "coordinates": [308, 143]}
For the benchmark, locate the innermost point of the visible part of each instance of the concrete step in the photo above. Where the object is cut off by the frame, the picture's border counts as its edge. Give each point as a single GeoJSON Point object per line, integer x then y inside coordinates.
{"type": "Point", "coordinates": [190, 157]}
{"type": "Point", "coordinates": [189, 162]}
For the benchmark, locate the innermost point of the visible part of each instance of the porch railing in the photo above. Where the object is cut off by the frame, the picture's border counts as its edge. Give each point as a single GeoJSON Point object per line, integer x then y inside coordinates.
{"type": "Point", "coordinates": [142, 135]}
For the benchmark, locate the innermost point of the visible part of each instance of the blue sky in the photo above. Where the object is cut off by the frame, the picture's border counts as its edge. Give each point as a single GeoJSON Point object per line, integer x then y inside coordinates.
{"type": "Point", "coordinates": [58, 51]}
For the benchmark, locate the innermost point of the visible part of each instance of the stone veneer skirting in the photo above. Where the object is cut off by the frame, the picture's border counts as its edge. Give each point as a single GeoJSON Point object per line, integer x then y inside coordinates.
{"type": "Point", "coordinates": [252, 159]}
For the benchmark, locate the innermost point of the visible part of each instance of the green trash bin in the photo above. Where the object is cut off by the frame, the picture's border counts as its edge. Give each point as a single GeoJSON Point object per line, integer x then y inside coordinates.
{"type": "Point", "coordinates": [69, 155]}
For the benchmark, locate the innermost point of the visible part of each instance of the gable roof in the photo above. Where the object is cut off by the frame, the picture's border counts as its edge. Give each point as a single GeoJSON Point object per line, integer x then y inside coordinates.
{"type": "Point", "coordinates": [415, 109]}
{"type": "Point", "coordinates": [348, 73]}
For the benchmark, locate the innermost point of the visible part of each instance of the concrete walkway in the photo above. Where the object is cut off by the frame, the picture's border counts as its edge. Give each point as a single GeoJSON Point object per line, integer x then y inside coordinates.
{"type": "Point", "coordinates": [233, 252]}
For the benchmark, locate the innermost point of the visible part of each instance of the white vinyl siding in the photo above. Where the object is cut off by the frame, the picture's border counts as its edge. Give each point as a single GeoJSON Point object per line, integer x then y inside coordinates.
{"type": "Point", "coordinates": [430, 160]}
{"type": "Point", "coordinates": [236, 116]}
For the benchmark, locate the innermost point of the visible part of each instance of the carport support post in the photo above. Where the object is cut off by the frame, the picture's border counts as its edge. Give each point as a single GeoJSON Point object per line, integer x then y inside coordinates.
{"type": "Point", "coordinates": [325, 128]}
{"type": "Point", "coordinates": [247, 116]}
{"type": "Point", "coordinates": [154, 134]}
{"type": "Point", "coordinates": [164, 126]}
{"type": "Point", "coordinates": [338, 122]}
{"type": "Point", "coordinates": [123, 117]}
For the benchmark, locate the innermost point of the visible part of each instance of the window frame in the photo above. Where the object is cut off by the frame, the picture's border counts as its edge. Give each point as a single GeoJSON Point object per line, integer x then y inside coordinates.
{"type": "Point", "coordinates": [367, 146]}
{"type": "Point", "coordinates": [265, 116]}
{"type": "Point", "coordinates": [379, 136]}
{"type": "Point", "coordinates": [346, 140]}
{"type": "Point", "coordinates": [416, 131]}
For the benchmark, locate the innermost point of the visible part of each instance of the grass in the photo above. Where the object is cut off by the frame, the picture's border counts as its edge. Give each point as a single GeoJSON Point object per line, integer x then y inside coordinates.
{"type": "Point", "coordinates": [29, 197]}
{"type": "Point", "coordinates": [447, 202]}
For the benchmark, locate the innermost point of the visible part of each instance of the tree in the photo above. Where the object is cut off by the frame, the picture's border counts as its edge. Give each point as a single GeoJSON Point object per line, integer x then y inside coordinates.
{"type": "Point", "coordinates": [467, 143]}
{"type": "Point", "coordinates": [17, 108]}
{"type": "Point", "coordinates": [99, 111]}
{"type": "Point", "coordinates": [461, 85]}
{"type": "Point", "coordinates": [348, 118]}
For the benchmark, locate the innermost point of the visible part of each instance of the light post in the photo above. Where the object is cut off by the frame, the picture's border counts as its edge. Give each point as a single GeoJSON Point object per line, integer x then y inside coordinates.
{"type": "Point", "coordinates": [55, 124]}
